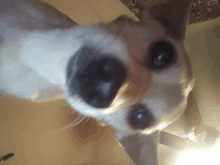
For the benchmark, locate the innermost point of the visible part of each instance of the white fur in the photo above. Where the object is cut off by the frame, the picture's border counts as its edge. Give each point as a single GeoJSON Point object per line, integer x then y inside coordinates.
{"type": "Point", "coordinates": [31, 62]}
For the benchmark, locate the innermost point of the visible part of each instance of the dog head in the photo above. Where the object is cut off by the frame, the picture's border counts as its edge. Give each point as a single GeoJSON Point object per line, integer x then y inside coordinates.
{"type": "Point", "coordinates": [135, 76]}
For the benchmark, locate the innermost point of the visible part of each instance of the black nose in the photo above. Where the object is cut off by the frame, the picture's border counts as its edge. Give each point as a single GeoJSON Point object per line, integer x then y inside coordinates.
{"type": "Point", "coordinates": [97, 77]}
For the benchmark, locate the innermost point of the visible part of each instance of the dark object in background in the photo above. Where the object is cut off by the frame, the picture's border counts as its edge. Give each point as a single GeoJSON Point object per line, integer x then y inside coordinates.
{"type": "Point", "coordinates": [201, 10]}
{"type": "Point", "coordinates": [6, 157]}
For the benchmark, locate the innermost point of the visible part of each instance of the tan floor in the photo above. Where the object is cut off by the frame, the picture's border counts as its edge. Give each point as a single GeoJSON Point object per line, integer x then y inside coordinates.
{"type": "Point", "coordinates": [28, 129]}
{"type": "Point", "coordinates": [86, 12]}
{"type": "Point", "coordinates": [32, 132]}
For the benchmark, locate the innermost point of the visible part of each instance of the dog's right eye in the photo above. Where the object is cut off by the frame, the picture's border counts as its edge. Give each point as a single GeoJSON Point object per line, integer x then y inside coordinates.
{"type": "Point", "coordinates": [161, 55]}
{"type": "Point", "coordinates": [140, 118]}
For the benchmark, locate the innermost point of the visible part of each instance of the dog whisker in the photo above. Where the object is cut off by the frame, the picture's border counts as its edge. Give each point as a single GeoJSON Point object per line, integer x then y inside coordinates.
{"type": "Point", "coordinates": [77, 121]}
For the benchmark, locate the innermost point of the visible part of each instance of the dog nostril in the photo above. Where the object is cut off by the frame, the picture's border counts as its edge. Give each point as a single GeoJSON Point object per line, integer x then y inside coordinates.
{"type": "Point", "coordinates": [97, 77]}
{"type": "Point", "coordinates": [106, 71]}
{"type": "Point", "coordinates": [140, 118]}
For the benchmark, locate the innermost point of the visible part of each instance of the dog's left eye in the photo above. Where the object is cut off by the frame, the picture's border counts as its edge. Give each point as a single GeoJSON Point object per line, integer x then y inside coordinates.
{"type": "Point", "coordinates": [140, 118]}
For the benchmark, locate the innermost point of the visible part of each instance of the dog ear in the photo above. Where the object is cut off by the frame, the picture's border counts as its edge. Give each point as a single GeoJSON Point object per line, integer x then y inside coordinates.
{"type": "Point", "coordinates": [172, 15]}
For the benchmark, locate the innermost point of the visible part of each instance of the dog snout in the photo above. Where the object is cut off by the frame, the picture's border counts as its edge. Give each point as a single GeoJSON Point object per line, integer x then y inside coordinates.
{"type": "Point", "coordinates": [95, 77]}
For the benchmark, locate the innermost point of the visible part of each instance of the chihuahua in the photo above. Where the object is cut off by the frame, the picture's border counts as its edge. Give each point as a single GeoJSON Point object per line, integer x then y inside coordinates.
{"type": "Point", "coordinates": [133, 75]}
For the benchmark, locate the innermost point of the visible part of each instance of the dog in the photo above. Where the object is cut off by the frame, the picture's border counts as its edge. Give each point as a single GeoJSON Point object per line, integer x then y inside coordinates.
{"type": "Point", "coordinates": [132, 75]}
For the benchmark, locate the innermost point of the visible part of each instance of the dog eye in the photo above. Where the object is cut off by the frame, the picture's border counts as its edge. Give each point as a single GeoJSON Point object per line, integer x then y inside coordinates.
{"type": "Point", "coordinates": [140, 118]}
{"type": "Point", "coordinates": [161, 55]}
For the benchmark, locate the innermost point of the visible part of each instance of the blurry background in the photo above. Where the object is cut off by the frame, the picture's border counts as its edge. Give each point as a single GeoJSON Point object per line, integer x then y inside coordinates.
{"type": "Point", "coordinates": [29, 129]}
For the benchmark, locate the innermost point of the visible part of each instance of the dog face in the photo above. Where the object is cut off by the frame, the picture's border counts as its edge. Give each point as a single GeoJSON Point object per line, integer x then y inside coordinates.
{"type": "Point", "coordinates": [134, 76]}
